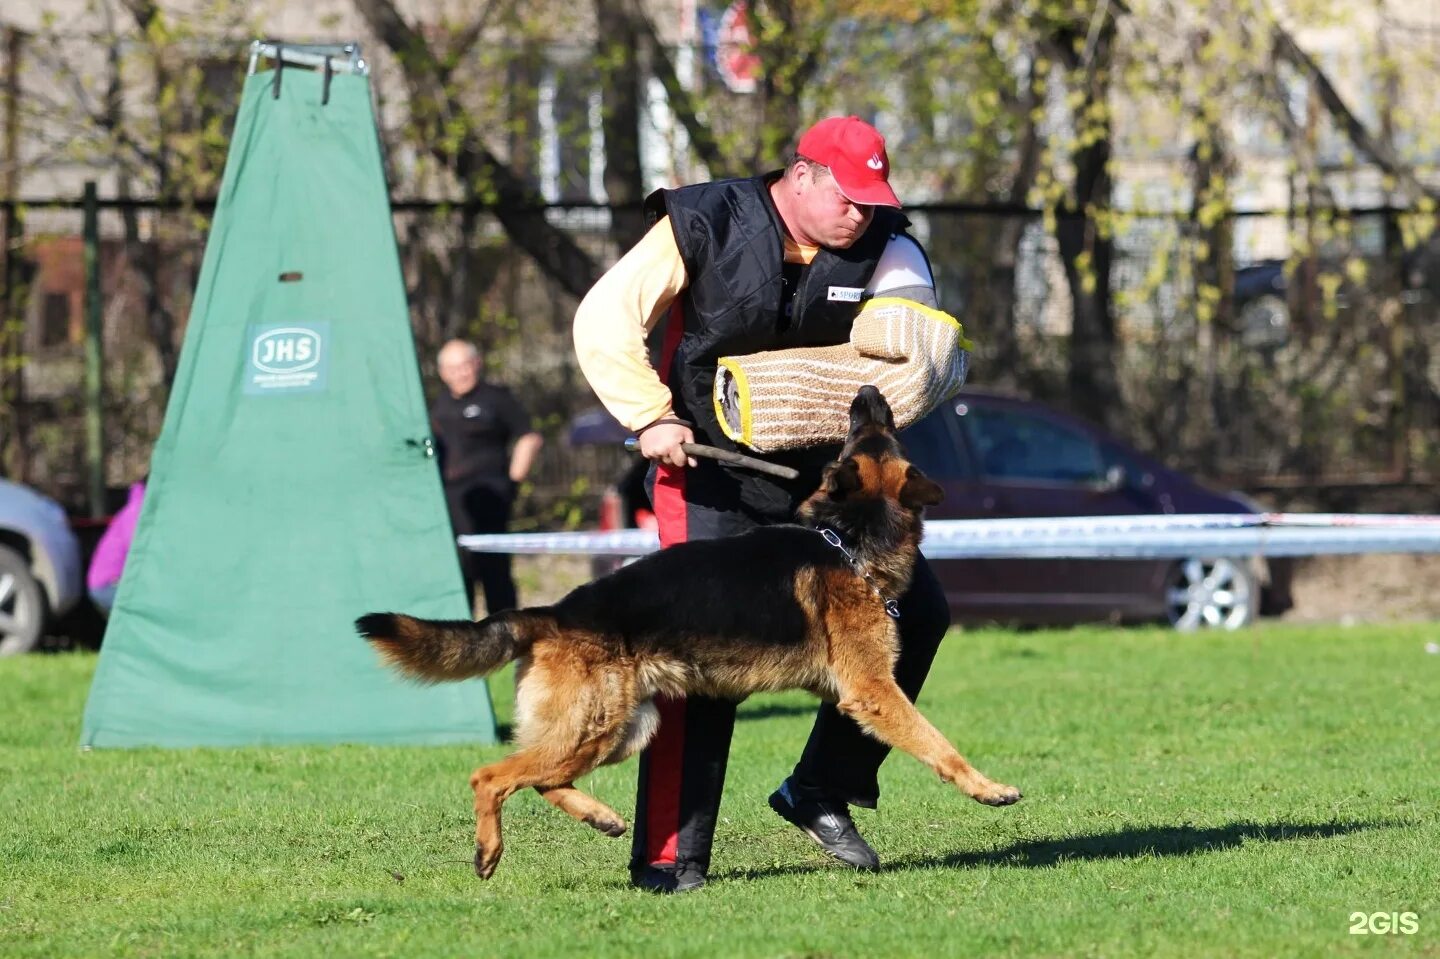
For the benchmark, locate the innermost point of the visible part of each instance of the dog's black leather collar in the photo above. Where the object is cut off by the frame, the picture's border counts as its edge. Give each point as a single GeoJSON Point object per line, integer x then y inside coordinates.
{"type": "Point", "coordinates": [833, 538]}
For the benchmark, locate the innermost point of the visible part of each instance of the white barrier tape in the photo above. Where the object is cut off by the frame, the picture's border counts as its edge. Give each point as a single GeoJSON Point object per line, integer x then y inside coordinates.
{"type": "Point", "coordinates": [1350, 519]}
{"type": "Point", "coordinates": [1181, 543]}
{"type": "Point", "coordinates": [624, 542]}
{"type": "Point", "coordinates": [1089, 537]}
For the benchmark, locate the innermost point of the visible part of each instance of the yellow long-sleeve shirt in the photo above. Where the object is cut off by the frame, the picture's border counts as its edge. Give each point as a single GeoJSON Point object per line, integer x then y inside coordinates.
{"type": "Point", "coordinates": [620, 311]}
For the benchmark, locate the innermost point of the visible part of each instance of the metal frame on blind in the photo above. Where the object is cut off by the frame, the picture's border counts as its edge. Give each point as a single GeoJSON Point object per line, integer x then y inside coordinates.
{"type": "Point", "coordinates": [336, 57]}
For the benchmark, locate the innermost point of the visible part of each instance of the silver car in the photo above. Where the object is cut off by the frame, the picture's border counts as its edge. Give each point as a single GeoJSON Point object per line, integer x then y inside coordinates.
{"type": "Point", "coordinates": [40, 574]}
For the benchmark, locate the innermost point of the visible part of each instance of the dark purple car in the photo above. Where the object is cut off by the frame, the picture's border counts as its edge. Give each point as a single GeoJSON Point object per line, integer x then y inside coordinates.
{"type": "Point", "coordinates": [1002, 457]}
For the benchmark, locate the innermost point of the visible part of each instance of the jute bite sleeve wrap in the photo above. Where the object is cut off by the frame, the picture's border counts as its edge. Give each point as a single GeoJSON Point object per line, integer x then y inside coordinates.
{"type": "Point", "coordinates": [786, 399]}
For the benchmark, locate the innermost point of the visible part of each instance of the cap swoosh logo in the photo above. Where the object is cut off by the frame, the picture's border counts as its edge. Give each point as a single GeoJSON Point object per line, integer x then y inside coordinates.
{"type": "Point", "coordinates": [875, 163]}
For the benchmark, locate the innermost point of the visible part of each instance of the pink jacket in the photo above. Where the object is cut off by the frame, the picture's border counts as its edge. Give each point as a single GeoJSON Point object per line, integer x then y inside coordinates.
{"type": "Point", "coordinates": [109, 559]}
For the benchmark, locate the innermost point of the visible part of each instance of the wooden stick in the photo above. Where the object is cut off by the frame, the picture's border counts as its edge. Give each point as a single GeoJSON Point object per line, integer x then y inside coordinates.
{"type": "Point", "coordinates": [727, 456]}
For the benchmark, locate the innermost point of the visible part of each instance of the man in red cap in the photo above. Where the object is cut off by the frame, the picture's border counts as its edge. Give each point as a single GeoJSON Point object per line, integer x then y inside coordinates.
{"type": "Point", "coordinates": [735, 267]}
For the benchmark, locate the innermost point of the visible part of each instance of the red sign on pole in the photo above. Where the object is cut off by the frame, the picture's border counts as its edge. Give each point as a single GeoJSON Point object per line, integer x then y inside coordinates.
{"type": "Point", "coordinates": [735, 55]}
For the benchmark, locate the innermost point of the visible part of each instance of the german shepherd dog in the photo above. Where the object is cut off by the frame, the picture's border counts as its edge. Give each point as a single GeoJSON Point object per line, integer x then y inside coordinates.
{"type": "Point", "coordinates": [780, 607]}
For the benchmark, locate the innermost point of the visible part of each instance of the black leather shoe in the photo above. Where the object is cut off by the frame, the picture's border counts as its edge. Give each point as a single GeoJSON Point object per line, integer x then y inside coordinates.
{"type": "Point", "coordinates": [829, 824]}
{"type": "Point", "coordinates": [681, 877]}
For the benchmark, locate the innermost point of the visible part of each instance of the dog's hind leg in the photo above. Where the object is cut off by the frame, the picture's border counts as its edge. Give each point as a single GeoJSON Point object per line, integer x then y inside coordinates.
{"type": "Point", "coordinates": [869, 695]}
{"type": "Point", "coordinates": [584, 807]}
{"type": "Point", "coordinates": [493, 784]}
{"type": "Point", "coordinates": [570, 718]}
{"type": "Point", "coordinates": [644, 721]}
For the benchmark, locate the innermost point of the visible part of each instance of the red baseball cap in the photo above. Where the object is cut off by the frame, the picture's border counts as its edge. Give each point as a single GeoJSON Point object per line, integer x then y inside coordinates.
{"type": "Point", "coordinates": [855, 153]}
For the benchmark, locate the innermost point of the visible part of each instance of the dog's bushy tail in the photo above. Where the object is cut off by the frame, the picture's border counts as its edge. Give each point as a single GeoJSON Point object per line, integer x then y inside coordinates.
{"type": "Point", "coordinates": [433, 650]}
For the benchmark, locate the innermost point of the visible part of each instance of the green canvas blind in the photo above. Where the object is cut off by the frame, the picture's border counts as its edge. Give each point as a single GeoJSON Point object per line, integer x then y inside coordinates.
{"type": "Point", "coordinates": [293, 486]}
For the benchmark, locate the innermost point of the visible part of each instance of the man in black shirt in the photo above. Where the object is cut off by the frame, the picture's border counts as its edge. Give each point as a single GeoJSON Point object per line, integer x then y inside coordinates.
{"type": "Point", "coordinates": [486, 447]}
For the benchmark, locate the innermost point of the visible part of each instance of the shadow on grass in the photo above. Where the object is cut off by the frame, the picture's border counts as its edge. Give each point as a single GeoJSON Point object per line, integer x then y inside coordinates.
{"type": "Point", "coordinates": [1124, 844]}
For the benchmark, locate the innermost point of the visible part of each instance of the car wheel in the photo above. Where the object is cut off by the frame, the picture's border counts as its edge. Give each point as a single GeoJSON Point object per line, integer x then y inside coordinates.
{"type": "Point", "coordinates": [22, 605]}
{"type": "Point", "coordinates": [1211, 594]}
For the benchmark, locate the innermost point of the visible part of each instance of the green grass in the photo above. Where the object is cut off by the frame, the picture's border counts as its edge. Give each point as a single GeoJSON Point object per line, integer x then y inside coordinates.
{"type": "Point", "coordinates": [1218, 795]}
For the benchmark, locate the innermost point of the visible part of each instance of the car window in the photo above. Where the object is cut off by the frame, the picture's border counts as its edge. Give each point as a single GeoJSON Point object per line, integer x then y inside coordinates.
{"type": "Point", "coordinates": [930, 445]}
{"type": "Point", "coordinates": [1016, 445]}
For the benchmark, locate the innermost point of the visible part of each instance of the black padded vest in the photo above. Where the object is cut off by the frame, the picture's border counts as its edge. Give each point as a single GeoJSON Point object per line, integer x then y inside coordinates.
{"type": "Point", "coordinates": [731, 239]}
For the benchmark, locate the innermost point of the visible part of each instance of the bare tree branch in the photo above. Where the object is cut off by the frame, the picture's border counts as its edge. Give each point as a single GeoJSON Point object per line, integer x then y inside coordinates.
{"type": "Point", "coordinates": [65, 69]}
{"type": "Point", "coordinates": [436, 106]}
{"type": "Point", "coordinates": [791, 60]}
{"type": "Point", "coordinates": [1379, 153]}
{"type": "Point", "coordinates": [466, 39]}
{"type": "Point", "coordinates": [1086, 250]}
{"type": "Point", "coordinates": [66, 123]}
{"type": "Point", "coordinates": [702, 139]}
{"type": "Point", "coordinates": [615, 48]}
{"type": "Point", "coordinates": [1296, 138]}
{"type": "Point", "coordinates": [159, 320]}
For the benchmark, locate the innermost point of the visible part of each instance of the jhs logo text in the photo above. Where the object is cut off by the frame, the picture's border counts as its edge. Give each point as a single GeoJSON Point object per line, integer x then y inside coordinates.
{"type": "Point", "coordinates": [287, 351]}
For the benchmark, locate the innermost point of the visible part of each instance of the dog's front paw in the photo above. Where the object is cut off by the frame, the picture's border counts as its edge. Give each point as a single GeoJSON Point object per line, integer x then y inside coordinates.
{"type": "Point", "coordinates": [996, 794]}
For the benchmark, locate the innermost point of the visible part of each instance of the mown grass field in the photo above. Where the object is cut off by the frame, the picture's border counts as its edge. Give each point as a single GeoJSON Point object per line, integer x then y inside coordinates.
{"type": "Point", "coordinates": [1233, 795]}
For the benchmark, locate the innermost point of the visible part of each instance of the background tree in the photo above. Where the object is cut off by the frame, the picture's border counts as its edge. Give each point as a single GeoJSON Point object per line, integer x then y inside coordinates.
{"type": "Point", "coordinates": [145, 100]}
{"type": "Point", "coordinates": [1084, 166]}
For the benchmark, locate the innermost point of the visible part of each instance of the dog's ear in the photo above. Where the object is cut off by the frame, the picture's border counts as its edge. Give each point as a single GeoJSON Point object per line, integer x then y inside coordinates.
{"type": "Point", "coordinates": [919, 490]}
{"type": "Point", "coordinates": [843, 478]}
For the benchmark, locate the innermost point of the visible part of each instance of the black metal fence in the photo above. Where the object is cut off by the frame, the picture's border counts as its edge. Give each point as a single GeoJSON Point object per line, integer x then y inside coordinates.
{"type": "Point", "coordinates": [1277, 370]}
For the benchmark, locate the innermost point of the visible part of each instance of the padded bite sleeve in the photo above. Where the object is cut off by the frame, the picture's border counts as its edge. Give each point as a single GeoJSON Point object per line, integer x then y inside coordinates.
{"type": "Point", "coordinates": [786, 399]}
